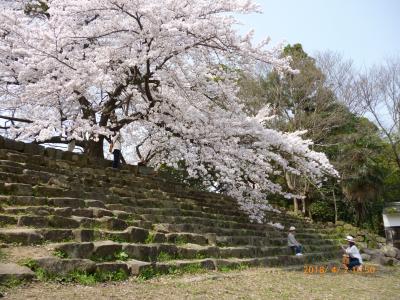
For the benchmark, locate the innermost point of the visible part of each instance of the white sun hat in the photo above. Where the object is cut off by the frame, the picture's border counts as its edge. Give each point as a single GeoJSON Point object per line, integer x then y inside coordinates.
{"type": "Point", "coordinates": [292, 228]}
{"type": "Point", "coordinates": [349, 238]}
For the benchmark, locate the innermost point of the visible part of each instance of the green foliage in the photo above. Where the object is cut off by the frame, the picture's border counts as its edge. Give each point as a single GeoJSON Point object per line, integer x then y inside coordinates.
{"type": "Point", "coordinates": [322, 211]}
{"type": "Point", "coordinates": [352, 143]}
{"type": "Point", "coordinates": [181, 240]}
{"type": "Point", "coordinates": [189, 268]}
{"type": "Point", "coordinates": [42, 275]}
{"type": "Point", "coordinates": [201, 256]}
{"type": "Point", "coordinates": [81, 277]}
{"type": "Point", "coordinates": [149, 273]}
{"type": "Point", "coordinates": [163, 256]}
{"type": "Point", "coordinates": [2, 255]}
{"type": "Point", "coordinates": [60, 254]}
{"type": "Point", "coordinates": [10, 283]}
{"type": "Point", "coordinates": [233, 267]}
{"type": "Point", "coordinates": [121, 255]}
{"type": "Point", "coordinates": [116, 239]}
{"type": "Point", "coordinates": [150, 238]}
{"type": "Point", "coordinates": [390, 210]}
{"type": "Point", "coordinates": [30, 263]}
{"type": "Point", "coordinates": [119, 275]}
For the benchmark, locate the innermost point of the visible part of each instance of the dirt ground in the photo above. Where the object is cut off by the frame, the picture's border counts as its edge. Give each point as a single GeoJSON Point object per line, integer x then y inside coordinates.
{"type": "Point", "coordinates": [255, 283]}
{"type": "Point", "coordinates": [16, 254]}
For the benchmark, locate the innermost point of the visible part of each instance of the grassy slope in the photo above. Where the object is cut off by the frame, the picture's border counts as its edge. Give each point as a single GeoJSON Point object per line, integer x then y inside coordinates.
{"type": "Point", "coordinates": [246, 284]}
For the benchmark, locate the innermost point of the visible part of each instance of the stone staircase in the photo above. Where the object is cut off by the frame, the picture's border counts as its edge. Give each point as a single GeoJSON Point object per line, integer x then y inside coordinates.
{"type": "Point", "coordinates": [62, 212]}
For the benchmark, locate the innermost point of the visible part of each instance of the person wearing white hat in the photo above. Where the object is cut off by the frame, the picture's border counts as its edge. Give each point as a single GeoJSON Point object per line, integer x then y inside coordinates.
{"type": "Point", "coordinates": [293, 243]}
{"type": "Point", "coordinates": [353, 252]}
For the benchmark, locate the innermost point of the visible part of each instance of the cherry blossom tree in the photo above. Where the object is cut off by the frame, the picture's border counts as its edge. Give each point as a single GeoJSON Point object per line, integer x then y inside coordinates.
{"type": "Point", "coordinates": [163, 72]}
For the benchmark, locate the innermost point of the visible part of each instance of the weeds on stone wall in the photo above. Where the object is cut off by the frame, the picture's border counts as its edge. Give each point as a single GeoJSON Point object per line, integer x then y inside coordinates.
{"type": "Point", "coordinates": [79, 277]}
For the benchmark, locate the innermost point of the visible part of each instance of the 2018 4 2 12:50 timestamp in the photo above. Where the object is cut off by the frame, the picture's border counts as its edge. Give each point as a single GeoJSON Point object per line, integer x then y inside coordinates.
{"type": "Point", "coordinates": [319, 269]}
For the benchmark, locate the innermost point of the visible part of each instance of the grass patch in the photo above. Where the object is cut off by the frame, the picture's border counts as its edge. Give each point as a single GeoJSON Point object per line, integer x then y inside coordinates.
{"type": "Point", "coordinates": [109, 257]}
{"type": "Point", "coordinates": [60, 254]}
{"type": "Point", "coordinates": [116, 238]}
{"type": "Point", "coordinates": [121, 255]}
{"type": "Point", "coordinates": [30, 263]}
{"type": "Point", "coordinates": [181, 240]}
{"type": "Point", "coordinates": [79, 277]}
{"type": "Point", "coordinates": [11, 283]}
{"type": "Point", "coordinates": [191, 269]}
{"type": "Point", "coordinates": [148, 273]}
{"type": "Point", "coordinates": [66, 240]}
{"type": "Point", "coordinates": [201, 256]}
{"type": "Point", "coordinates": [233, 267]}
{"type": "Point", "coordinates": [163, 256]}
{"type": "Point", "coordinates": [3, 256]}
{"type": "Point", "coordinates": [150, 238]}
{"type": "Point", "coordinates": [83, 278]}
{"type": "Point", "coordinates": [151, 272]}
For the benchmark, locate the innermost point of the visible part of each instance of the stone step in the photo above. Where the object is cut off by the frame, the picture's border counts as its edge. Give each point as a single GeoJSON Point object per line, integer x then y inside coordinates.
{"type": "Point", "coordinates": [19, 167]}
{"type": "Point", "coordinates": [51, 191]}
{"type": "Point", "coordinates": [79, 203]}
{"type": "Point", "coordinates": [62, 267]}
{"type": "Point", "coordinates": [23, 236]}
{"type": "Point", "coordinates": [10, 272]}
{"type": "Point", "coordinates": [64, 209]}
{"type": "Point", "coordinates": [127, 203]}
{"type": "Point", "coordinates": [235, 263]}
{"type": "Point", "coordinates": [30, 236]}
{"type": "Point", "coordinates": [265, 241]}
{"type": "Point", "coordinates": [48, 173]}
{"type": "Point", "coordinates": [15, 188]}
{"type": "Point", "coordinates": [98, 217]}
{"type": "Point", "coordinates": [111, 251]}
{"type": "Point", "coordinates": [201, 229]}
{"type": "Point", "coordinates": [220, 223]}
{"type": "Point", "coordinates": [43, 174]}
{"type": "Point", "coordinates": [28, 177]}
{"type": "Point", "coordinates": [277, 261]}
{"type": "Point", "coordinates": [201, 198]}
{"type": "Point", "coordinates": [192, 212]}
{"type": "Point", "coordinates": [152, 205]}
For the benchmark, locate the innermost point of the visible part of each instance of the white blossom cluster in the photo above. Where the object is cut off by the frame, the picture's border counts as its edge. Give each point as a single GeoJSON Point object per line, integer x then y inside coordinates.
{"type": "Point", "coordinates": [277, 225]}
{"type": "Point", "coordinates": [168, 71]}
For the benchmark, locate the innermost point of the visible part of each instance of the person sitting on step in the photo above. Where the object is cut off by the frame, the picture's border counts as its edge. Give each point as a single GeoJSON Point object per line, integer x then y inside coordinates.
{"type": "Point", "coordinates": [293, 243]}
{"type": "Point", "coordinates": [355, 259]}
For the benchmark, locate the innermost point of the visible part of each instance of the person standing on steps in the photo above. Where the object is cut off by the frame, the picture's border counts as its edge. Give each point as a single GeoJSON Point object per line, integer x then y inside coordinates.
{"type": "Point", "coordinates": [355, 259]}
{"type": "Point", "coordinates": [115, 149]}
{"type": "Point", "coordinates": [293, 243]}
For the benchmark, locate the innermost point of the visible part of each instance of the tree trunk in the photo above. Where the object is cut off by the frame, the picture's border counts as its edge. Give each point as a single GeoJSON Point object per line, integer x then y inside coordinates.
{"type": "Point", "coordinates": [334, 203]}
{"type": "Point", "coordinates": [303, 206]}
{"type": "Point", "coordinates": [295, 205]}
{"type": "Point", "coordinates": [304, 200]}
{"type": "Point", "coordinates": [95, 149]}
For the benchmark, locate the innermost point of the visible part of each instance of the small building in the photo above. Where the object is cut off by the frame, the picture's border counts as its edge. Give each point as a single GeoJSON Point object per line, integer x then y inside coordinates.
{"type": "Point", "coordinates": [391, 221]}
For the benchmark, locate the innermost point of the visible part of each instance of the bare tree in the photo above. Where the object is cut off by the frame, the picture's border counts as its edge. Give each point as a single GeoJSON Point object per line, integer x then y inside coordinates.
{"type": "Point", "coordinates": [340, 78]}
{"type": "Point", "coordinates": [378, 91]}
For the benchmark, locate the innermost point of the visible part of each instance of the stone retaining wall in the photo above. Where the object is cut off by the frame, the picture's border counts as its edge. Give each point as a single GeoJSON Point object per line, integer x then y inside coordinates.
{"type": "Point", "coordinates": [81, 160]}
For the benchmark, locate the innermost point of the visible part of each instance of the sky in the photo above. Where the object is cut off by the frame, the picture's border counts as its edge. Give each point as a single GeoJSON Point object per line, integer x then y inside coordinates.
{"type": "Point", "coordinates": [366, 31]}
